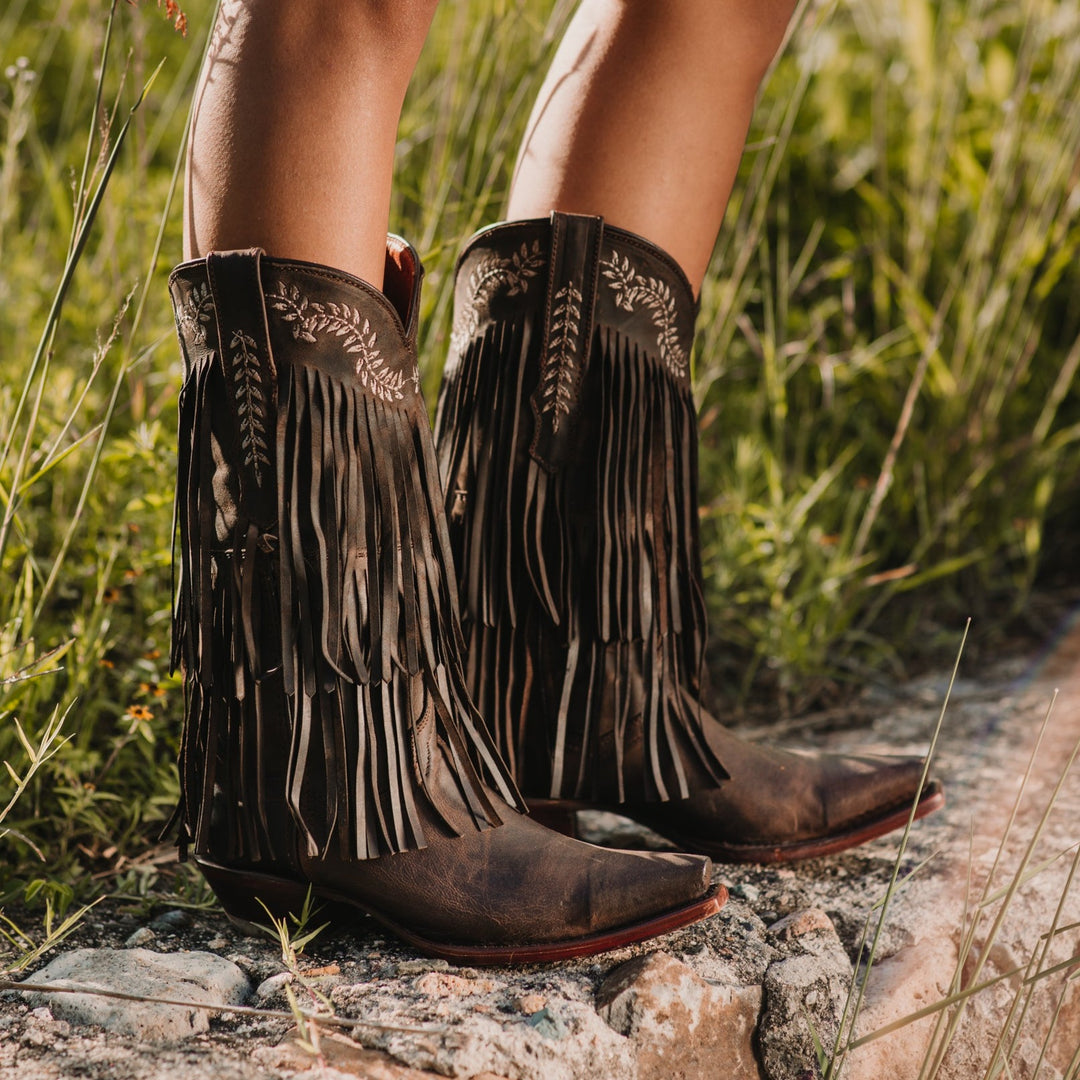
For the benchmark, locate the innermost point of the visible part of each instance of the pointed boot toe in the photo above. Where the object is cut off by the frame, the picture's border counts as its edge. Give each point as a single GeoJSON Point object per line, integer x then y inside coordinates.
{"type": "Point", "coordinates": [781, 806]}
{"type": "Point", "coordinates": [522, 893]}
{"type": "Point", "coordinates": [860, 789]}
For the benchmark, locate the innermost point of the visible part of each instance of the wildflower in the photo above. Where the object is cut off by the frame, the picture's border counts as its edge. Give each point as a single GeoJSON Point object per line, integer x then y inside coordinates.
{"type": "Point", "coordinates": [20, 71]}
{"type": "Point", "coordinates": [139, 712]}
{"type": "Point", "coordinates": [172, 12]}
{"type": "Point", "coordinates": [179, 19]}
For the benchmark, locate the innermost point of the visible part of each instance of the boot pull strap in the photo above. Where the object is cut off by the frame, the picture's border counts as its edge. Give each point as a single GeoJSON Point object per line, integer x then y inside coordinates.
{"type": "Point", "coordinates": [569, 316]}
{"type": "Point", "coordinates": [247, 361]}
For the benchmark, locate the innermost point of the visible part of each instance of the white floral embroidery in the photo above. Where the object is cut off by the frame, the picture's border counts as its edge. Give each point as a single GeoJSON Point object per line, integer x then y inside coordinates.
{"type": "Point", "coordinates": [561, 361]}
{"type": "Point", "coordinates": [491, 275]}
{"type": "Point", "coordinates": [250, 402]}
{"type": "Point", "coordinates": [194, 315]}
{"type": "Point", "coordinates": [309, 318]}
{"type": "Point", "coordinates": [632, 290]}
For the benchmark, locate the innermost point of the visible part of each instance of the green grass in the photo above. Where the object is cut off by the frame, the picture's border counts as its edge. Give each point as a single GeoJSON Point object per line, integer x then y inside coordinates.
{"type": "Point", "coordinates": [885, 365]}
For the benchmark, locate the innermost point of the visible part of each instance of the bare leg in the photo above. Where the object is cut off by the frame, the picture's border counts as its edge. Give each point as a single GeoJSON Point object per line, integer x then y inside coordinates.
{"type": "Point", "coordinates": [643, 116]}
{"type": "Point", "coordinates": [292, 147]}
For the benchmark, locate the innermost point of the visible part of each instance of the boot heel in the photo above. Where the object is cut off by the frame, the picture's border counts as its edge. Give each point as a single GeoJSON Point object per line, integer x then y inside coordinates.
{"type": "Point", "coordinates": [556, 816]}
{"type": "Point", "coordinates": [240, 891]}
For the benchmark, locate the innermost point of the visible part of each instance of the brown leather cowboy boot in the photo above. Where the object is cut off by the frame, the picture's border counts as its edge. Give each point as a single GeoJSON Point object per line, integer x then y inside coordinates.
{"type": "Point", "coordinates": [568, 446]}
{"type": "Point", "coordinates": [330, 740]}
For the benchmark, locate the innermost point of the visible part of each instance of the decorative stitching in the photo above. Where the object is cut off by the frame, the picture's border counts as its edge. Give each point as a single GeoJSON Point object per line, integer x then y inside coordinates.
{"type": "Point", "coordinates": [250, 402]}
{"type": "Point", "coordinates": [195, 314]}
{"type": "Point", "coordinates": [309, 318]}
{"type": "Point", "coordinates": [557, 378]}
{"type": "Point", "coordinates": [490, 276]}
{"type": "Point", "coordinates": [632, 289]}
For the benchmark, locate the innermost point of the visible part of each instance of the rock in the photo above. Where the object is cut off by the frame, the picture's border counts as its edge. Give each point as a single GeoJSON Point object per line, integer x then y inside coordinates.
{"type": "Point", "coordinates": [195, 976]}
{"type": "Point", "coordinates": [680, 1024]}
{"type": "Point", "coordinates": [41, 1028]}
{"type": "Point", "coordinates": [443, 984]}
{"type": "Point", "coordinates": [270, 989]}
{"type": "Point", "coordinates": [467, 1036]}
{"type": "Point", "coordinates": [529, 1003]}
{"type": "Point", "coordinates": [341, 1055]}
{"type": "Point", "coordinates": [800, 923]}
{"type": "Point", "coordinates": [897, 987]}
{"type": "Point", "coordinates": [170, 921]}
{"type": "Point", "coordinates": [259, 968]}
{"type": "Point", "coordinates": [804, 998]}
{"type": "Point", "coordinates": [548, 1024]}
{"type": "Point", "coordinates": [419, 967]}
{"type": "Point", "coordinates": [730, 948]}
{"type": "Point", "coordinates": [143, 936]}
{"type": "Point", "coordinates": [745, 891]}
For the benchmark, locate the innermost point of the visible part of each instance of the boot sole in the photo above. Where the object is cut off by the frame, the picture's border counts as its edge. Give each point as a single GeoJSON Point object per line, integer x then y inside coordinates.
{"type": "Point", "coordinates": [240, 893]}
{"type": "Point", "coordinates": [561, 815]}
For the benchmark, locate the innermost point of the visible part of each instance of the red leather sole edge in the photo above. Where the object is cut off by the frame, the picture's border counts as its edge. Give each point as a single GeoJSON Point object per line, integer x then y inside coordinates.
{"type": "Point", "coordinates": [239, 892]}
{"type": "Point", "coordinates": [560, 815]}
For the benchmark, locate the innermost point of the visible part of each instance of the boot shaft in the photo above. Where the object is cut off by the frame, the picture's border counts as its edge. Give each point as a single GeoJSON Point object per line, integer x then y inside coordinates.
{"type": "Point", "coordinates": [567, 441]}
{"type": "Point", "coordinates": [317, 611]}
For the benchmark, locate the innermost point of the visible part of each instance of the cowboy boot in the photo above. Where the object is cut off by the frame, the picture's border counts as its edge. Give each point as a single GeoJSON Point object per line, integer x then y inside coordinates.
{"type": "Point", "coordinates": [567, 441]}
{"type": "Point", "coordinates": [329, 738]}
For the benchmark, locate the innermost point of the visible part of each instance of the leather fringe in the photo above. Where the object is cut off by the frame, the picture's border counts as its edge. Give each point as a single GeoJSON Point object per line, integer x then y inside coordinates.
{"type": "Point", "coordinates": [581, 585]}
{"type": "Point", "coordinates": [231, 674]}
{"type": "Point", "coordinates": [367, 616]}
{"type": "Point", "coordinates": [321, 650]}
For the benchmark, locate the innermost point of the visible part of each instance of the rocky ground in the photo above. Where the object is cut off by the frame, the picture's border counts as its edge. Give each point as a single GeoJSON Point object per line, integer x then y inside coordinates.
{"type": "Point", "coordinates": [748, 994]}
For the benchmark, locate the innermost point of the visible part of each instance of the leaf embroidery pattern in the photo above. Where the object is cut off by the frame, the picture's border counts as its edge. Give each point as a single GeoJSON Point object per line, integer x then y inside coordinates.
{"type": "Point", "coordinates": [250, 402]}
{"type": "Point", "coordinates": [310, 319]}
{"type": "Point", "coordinates": [557, 379]}
{"type": "Point", "coordinates": [195, 313]}
{"type": "Point", "coordinates": [490, 276]}
{"type": "Point", "coordinates": [633, 291]}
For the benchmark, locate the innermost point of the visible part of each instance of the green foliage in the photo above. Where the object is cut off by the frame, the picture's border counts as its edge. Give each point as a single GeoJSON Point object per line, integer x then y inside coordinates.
{"type": "Point", "coordinates": [885, 364]}
{"type": "Point", "coordinates": [887, 360]}
{"type": "Point", "coordinates": [87, 412]}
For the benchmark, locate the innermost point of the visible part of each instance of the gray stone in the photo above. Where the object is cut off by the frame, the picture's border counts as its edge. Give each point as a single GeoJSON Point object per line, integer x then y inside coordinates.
{"type": "Point", "coordinates": [197, 977]}
{"type": "Point", "coordinates": [731, 947]}
{"type": "Point", "coordinates": [272, 990]}
{"type": "Point", "coordinates": [143, 936]}
{"type": "Point", "coordinates": [804, 996]}
{"type": "Point", "coordinates": [170, 921]}
{"type": "Point", "coordinates": [483, 1031]}
{"type": "Point", "coordinates": [745, 891]}
{"type": "Point", "coordinates": [680, 1024]}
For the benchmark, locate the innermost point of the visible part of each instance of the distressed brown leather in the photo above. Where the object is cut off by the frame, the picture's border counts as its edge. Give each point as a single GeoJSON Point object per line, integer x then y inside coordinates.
{"type": "Point", "coordinates": [567, 441]}
{"type": "Point", "coordinates": [329, 737]}
{"type": "Point", "coordinates": [516, 883]}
